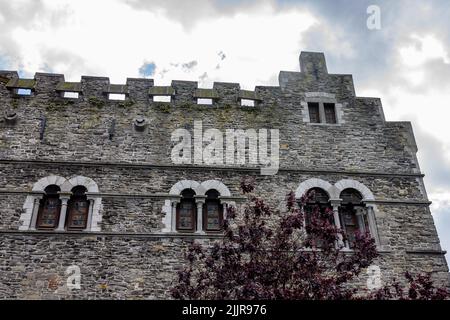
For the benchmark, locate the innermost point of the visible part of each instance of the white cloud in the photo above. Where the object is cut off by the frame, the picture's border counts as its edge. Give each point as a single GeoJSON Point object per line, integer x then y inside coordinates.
{"type": "Point", "coordinates": [417, 98]}
{"type": "Point", "coordinates": [114, 39]}
{"type": "Point", "coordinates": [410, 94]}
{"type": "Point", "coordinates": [422, 49]}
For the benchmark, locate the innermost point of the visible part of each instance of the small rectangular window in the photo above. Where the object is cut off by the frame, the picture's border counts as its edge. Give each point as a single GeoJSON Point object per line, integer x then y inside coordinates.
{"type": "Point", "coordinates": [23, 92]}
{"type": "Point", "coordinates": [330, 112]}
{"type": "Point", "coordinates": [116, 96]}
{"type": "Point", "coordinates": [204, 101]}
{"type": "Point", "coordinates": [70, 95]}
{"type": "Point", "coordinates": [162, 98]}
{"type": "Point", "coordinates": [314, 115]}
{"type": "Point", "coordinates": [247, 103]}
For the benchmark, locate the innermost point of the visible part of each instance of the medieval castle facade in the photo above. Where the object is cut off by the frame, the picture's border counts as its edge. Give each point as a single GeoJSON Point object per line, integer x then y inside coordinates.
{"type": "Point", "coordinates": [88, 188]}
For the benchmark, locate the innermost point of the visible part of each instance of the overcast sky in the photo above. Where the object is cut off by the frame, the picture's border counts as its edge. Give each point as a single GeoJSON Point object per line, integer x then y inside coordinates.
{"type": "Point", "coordinates": [406, 63]}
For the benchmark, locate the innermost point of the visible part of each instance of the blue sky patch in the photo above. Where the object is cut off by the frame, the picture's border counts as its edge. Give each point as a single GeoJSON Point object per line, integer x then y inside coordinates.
{"type": "Point", "coordinates": [147, 69]}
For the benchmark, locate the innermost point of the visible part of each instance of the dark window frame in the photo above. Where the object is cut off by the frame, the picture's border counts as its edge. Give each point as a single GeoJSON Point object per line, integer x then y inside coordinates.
{"type": "Point", "coordinates": [51, 193]}
{"type": "Point", "coordinates": [78, 196]}
{"type": "Point", "coordinates": [188, 197]}
{"type": "Point", "coordinates": [314, 112]}
{"type": "Point", "coordinates": [330, 112]}
{"type": "Point", "coordinates": [322, 201]}
{"type": "Point", "coordinates": [351, 200]}
{"type": "Point", "coordinates": [206, 217]}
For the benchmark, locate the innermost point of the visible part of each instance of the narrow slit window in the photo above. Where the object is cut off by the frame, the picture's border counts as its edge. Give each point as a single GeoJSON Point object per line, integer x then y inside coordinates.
{"type": "Point", "coordinates": [23, 92]}
{"type": "Point", "coordinates": [162, 98]}
{"type": "Point", "coordinates": [247, 103]}
{"type": "Point", "coordinates": [204, 101]}
{"type": "Point", "coordinates": [71, 95]}
{"type": "Point", "coordinates": [116, 96]}
{"type": "Point", "coordinates": [314, 115]}
{"type": "Point", "coordinates": [330, 112]}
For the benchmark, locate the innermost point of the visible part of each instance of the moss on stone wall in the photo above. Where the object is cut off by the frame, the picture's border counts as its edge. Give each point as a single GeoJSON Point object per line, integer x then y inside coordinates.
{"type": "Point", "coordinates": [126, 104]}
{"type": "Point", "coordinates": [162, 107]}
{"type": "Point", "coordinates": [96, 102]}
{"type": "Point", "coordinates": [92, 122]}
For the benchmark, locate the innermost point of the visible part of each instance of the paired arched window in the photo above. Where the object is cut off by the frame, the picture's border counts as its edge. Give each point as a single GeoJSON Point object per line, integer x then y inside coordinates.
{"type": "Point", "coordinates": [351, 214]}
{"type": "Point", "coordinates": [49, 209]}
{"type": "Point", "coordinates": [212, 211]}
{"type": "Point", "coordinates": [190, 207]}
{"type": "Point", "coordinates": [49, 212]}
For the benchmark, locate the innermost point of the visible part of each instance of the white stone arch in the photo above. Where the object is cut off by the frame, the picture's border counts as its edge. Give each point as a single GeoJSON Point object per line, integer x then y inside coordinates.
{"type": "Point", "coordinates": [42, 183]}
{"type": "Point", "coordinates": [348, 183]}
{"type": "Point", "coordinates": [217, 185]}
{"type": "Point", "coordinates": [200, 189]}
{"type": "Point", "coordinates": [372, 211]}
{"type": "Point", "coordinates": [178, 187]}
{"type": "Point", "coordinates": [313, 183]}
{"type": "Point", "coordinates": [95, 201]}
{"type": "Point", "coordinates": [170, 204]}
{"type": "Point", "coordinates": [32, 201]}
{"type": "Point", "coordinates": [88, 183]}
{"type": "Point", "coordinates": [31, 205]}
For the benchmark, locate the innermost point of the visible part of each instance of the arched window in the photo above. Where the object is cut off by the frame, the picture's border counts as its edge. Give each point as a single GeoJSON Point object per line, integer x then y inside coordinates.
{"type": "Point", "coordinates": [186, 211]}
{"type": "Point", "coordinates": [212, 211]}
{"type": "Point", "coordinates": [317, 198]}
{"type": "Point", "coordinates": [317, 205]}
{"type": "Point", "coordinates": [78, 209]}
{"type": "Point", "coordinates": [49, 208]}
{"type": "Point", "coordinates": [351, 213]}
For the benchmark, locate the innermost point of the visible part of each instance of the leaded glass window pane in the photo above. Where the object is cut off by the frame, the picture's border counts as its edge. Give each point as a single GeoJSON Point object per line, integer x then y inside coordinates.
{"type": "Point", "coordinates": [48, 216]}
{"type": "Point", "coordinates": [78, 213]}
{"type": "Point", "coordinates": [185, 213]}
{"type": "Point", "coordinates": [78, 209]}
{"type": "Point", "coordinates": [212, 216]}
{"type": "Point", "coordinates": [212, 211]}
{"type": "Point", "coordinates": [49, 208]}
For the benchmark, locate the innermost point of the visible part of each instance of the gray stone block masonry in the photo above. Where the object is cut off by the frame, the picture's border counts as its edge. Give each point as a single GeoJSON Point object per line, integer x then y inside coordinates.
{"type": "Point", "coordinates": [130, 248]}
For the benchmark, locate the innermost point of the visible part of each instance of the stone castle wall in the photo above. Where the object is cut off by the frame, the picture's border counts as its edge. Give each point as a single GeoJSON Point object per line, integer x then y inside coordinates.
{"type": "Point", "coordinates": [131, 254]}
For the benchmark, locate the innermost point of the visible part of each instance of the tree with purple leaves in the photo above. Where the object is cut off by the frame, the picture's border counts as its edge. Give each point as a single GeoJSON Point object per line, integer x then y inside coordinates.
{"type": "Point", "coordinates": [296, 254]}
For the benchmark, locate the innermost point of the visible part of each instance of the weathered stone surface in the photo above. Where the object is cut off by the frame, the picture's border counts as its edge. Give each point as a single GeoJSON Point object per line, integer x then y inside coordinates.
{"type": "Point", "coordinates": [130, 256]}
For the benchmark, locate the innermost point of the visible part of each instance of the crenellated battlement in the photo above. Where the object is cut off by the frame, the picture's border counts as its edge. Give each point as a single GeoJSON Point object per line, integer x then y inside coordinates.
{"type": "Point", "coordinates": [138, 89]}
{"type": "Point", "coordinates": [313, 77]}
